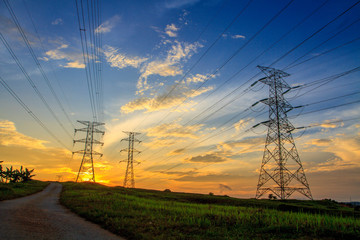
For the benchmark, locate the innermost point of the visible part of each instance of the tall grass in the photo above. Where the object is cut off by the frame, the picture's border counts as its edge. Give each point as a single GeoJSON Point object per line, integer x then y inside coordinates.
{"type": "Point", "coordinates": [140, 218]}
{"type": "Point", "coordinates": [20, 189]}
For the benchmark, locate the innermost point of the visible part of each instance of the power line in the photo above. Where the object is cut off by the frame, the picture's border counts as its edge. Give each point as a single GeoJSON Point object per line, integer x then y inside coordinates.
{"type": "Point", "coordinates": [326, 80]}
{"type": "Point", "coordinates": [222, 131]}
{"type": "Point", "coordinates": [233, 55]}
{"type": "Point", "coordinates": [298, 45]}
{"type": "Point", "coordinates": [31, 113]}
{"type": "Point", "coordinates": [315, 33]}
{"type": "Point", "coordinates": [202, 56]}
{"type": "Point", "coordinates": [51, 65]}
{"type": "Point", "coordinates": [32, 84]}
{"type": "Point", "coordinates": [32, 53]}
{"type": "Point", "coordinates": [85, 51]}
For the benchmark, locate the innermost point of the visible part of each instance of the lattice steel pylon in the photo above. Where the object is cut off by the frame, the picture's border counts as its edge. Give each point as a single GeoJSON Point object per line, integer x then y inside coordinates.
{"type": "Point", "coordinates": [281, 170]}
{"type": "Point", "coordinates": [129, 180]}
{"type": "Point", "coordinates": [86, 170]}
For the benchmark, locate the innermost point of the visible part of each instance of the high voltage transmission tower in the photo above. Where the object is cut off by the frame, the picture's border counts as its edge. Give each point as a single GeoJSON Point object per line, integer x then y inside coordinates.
{"type": "Point", "coordinates": [129, 180]}
{"type": "Point", "coordinates": [281, 170]}
{"type": "Point", "coordinates": [86, 170]}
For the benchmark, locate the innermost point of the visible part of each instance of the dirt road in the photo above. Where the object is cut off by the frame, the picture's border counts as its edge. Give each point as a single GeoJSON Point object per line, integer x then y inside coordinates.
{"type": "Point", "coordinates": [40, 216]}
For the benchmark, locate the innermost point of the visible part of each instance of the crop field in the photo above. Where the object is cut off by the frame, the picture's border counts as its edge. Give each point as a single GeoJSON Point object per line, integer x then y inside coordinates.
{"type": "Point", "coordinates": [20, 189]}
{"type": "Point", "coordinates": [146, 214]}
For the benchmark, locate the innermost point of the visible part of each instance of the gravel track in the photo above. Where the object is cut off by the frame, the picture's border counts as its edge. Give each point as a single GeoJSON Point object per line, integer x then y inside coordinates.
{"type": "Point", "coordinates": [40, 216]}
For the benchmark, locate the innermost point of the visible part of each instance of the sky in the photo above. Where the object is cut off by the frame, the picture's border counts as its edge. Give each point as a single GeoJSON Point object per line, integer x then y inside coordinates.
{"type": "Point", "coordinates": [181, 74]}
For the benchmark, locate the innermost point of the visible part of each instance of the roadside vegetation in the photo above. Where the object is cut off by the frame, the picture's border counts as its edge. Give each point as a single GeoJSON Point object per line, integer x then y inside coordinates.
{"type": "Point", "coordinates": [147, 214]}
{"type": "Point", "coordinates": [16, 183]}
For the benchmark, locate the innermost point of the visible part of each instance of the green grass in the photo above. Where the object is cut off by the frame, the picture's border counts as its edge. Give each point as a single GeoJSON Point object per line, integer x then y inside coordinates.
{"type": "Point", "coordinates": [145, 214]}
{"type": "Point", "coordinates": [15, 190]}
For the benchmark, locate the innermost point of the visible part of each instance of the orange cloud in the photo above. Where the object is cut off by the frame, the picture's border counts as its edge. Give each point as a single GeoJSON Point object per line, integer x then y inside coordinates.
{"type": "Point", "coordinates": [10, 136]}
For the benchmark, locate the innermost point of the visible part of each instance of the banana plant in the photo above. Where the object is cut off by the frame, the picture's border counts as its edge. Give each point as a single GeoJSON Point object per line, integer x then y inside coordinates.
{"type": "Point", "coordinates": [1, 173]}
{"type": "Point", "coordinates": [26, 175]}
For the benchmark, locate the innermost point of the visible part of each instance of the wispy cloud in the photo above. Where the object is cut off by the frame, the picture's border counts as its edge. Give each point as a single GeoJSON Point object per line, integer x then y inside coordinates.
{"type": "Point", "coordinates": [247, 145]}
{"type": "Point", "coordinates": [108, 25]}
{"type": "Point", "coordinates": [237, 36]}
{"type": "Point", "coordinates": [170, 66]}
{"type": "Point", "coordinates": [179, 3]}
{"type": "Point", "coordinates": [165, 100]}
{"type": "Point", "coordinates": [120, 60]}
{"type": "Point", "coordinates": [345, 153]}
{"type": "Point", "coordinates": [57, 21]}
{"type": "Point", "coordinates": [208, 158]}
{"type": "Point", "coordinates": [171, 30]}
{"type": "Point", "coordinates": [242, 124]}
{"type": "Point", "coordinates": [72, 57]}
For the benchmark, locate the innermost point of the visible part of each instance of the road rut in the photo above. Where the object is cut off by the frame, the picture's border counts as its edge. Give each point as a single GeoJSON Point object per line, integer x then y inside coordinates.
{"type": "Point", "coordinates": [40, 216]}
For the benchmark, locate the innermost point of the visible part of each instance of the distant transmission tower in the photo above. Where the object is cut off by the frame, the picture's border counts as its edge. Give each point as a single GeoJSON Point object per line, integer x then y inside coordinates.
{"type": "Point", "coordinates": [129, 180]}
{"type": "Point", "coordinates": [281, 170]}
{"type": "Point", "coordinates": [86, 170]}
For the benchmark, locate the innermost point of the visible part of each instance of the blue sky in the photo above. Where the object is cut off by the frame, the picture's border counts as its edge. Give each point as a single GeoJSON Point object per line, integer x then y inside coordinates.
{"type": "Point", "coordinates": [164, 65]}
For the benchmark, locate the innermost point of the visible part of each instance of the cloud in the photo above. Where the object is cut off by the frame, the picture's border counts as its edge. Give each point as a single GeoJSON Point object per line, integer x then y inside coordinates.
{"type": "Point", "coordinates": [74, 65]}
{"type": "Point", "coordinates": [208, 178]}
{"type": "Point", "coordinates": [247, 145]}
{"type": "Point", "coordinates": [208, 158]}
{"type": "Point", "coordinates": [108, 25]}
{"type": "Point", "coordinates": [321, 142]}
{"type": "Point", "coordinates": [171, 30]}
{"type": "Point", "coordinates": [328, 124]}
{"type": "Point", "coordinates": [176, 151]}
{"type": "Point", "coordinates": [9, 136]}
{"type": "Point", "coordinates": [237, 36]}
{"type": "Point", "coordinates": [170, 66]}
{"type": "Point", "coordinates": [242, 124]}
{"type": "Point", "coordinates": [165, 100]}
{"type": "Point", "coordinates": [199, 78]}
{"type": "Point", "coordinates": [174, 130]}
{"type": "Point", "coordinates": [342, 153]}
{"type": "Point", "coordinates": [179, 3]}
{"type": "Point", "coordinates": [120, 60]}
{"type": "Point", "coordinates": [73, 58]}
{"type": "Point", "coordinates": [57, 21]}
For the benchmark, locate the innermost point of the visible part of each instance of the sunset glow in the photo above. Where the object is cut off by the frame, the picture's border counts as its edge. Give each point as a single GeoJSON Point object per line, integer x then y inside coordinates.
{"type": "Point", "coordinates": [181, 74]}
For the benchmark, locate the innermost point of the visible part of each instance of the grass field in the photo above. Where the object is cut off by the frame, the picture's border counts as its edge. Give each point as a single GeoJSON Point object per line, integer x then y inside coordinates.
{"type": "Point", "coordinates": [146, 214]}
{"type": "Point", "coordinates": [15, 190]}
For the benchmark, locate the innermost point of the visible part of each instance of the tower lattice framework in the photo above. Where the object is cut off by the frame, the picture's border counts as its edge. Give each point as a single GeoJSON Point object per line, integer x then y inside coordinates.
{"type": "Point", "coordinates": [129, 179]}
{"type": "Point", "coordinates": [281, 170]}
{"type": "Point", "coordinates": [86, 170]}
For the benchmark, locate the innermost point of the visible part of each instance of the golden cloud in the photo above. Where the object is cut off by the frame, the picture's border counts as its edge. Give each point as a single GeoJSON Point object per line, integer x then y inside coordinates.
{"type": "Point", "coordinates": [242, 124]}
{"type": "Point", "coordinates": [164, 101]}
{"type": "Point", "coordinates": [243, 146]}
{"type": "Point", "coordinates": [176, 152]}
{"type": "Point", "coordinates": [208, 158]}
{"type": "Point", "coordinates": [120, 60]}
{"type": "Point", "coordinates": [10, 136]}
{"type": "Point", "coordinates": [73, 57]}
{"type": "Point", "coordinates": [329, 124]}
